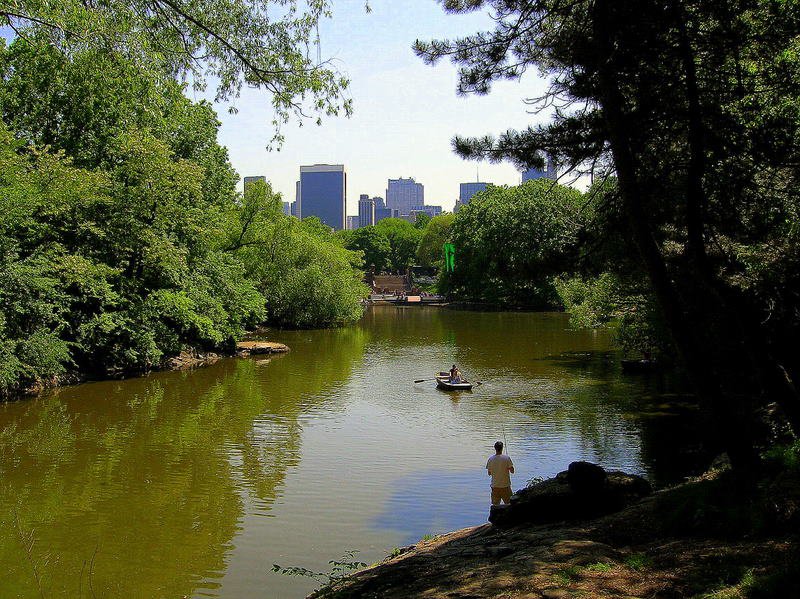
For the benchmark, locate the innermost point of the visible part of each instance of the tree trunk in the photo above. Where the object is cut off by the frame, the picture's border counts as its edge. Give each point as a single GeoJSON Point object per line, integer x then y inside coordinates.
{"type": "Point", "coordinates": [688, 321]}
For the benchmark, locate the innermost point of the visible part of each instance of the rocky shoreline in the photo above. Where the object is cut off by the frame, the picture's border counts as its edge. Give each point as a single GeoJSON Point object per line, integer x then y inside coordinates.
{"type": "Point", "coordinates": [188, 359]}
{"type": "Point", "coordinates": [591, 533]}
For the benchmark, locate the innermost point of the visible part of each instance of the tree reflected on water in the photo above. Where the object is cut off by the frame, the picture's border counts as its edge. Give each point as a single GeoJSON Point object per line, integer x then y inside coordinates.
{"type": "Point", "coordinates": [135, 488]}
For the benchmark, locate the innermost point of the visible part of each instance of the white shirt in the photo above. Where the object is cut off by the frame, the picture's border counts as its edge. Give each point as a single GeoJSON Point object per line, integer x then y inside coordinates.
{"type": "Point", "coordinates": [498, 466]}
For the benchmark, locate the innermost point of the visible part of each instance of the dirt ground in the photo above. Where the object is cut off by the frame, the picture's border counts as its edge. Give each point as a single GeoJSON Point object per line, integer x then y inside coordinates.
{"type": "Point", "coordinates": [637, 552]}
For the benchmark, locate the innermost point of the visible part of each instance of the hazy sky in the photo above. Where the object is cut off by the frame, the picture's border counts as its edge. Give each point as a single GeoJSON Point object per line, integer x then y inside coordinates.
{"type": "Point", "coordinates": [405, 112]}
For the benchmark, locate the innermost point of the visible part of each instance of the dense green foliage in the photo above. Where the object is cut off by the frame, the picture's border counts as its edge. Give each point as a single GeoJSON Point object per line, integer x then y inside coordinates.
{"type": "Point", "coordinates": [373, 245]}
{"type": "Point", "coordinates": [511, 241]}
{"type": "Point", "coordinates": [609, 300]}
{"type": "Point", "coordinates": [111, 270]}
{"type": "Point", "coordinates": [434, 236]}
{"type": "Point", "coordinates": [301, 267]}
{"type": "Point", "coordinates": [693, 106]}
{"type": "Point", "coordinates": [123, 240]}
{"type": "Point", "coordinates": [391, 244]}
{"type": "Point", "coordinates": [403, 239]}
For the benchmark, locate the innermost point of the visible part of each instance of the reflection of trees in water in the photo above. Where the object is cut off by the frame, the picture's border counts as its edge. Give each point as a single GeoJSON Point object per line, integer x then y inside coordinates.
{"type": "Point", "coordinates": [568, 383]}
{"type": "Point", "coordinates": [617, 420]}
{"type": "Point", "coordinates": [146, 472]}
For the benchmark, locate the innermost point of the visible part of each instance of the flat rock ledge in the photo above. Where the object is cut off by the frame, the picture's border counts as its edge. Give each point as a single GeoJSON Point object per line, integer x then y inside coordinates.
{"type": "Point", "coordinates": [253, 348]}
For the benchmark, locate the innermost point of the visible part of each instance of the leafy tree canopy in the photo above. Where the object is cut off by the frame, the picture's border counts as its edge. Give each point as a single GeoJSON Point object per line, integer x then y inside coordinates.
{"type": "Point", "coordinates": [374, 246]}
{"type": "Point", "coordinates": [511, 241]}
{"type": "Point", "coordinates": [123, 241]}
{"type": "Point", "coordinates": [403, 239]}
{"type": "Point", "coordinates": [436, 233]}
{"type": "Point", "coordinates": [261, 43]}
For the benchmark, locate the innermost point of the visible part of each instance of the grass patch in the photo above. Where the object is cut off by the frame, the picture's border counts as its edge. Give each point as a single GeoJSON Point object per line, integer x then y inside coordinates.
{"type": "Point", "coordinates": [568, 575]}
{"type": "Point", "coordinates": [638, 561]}
{"type": "Point", "coordinates": [726, 507]}
{"type": "Point", "coordinates": [599, 567]}
{"type": "Point", "coordinates": [784, 581]}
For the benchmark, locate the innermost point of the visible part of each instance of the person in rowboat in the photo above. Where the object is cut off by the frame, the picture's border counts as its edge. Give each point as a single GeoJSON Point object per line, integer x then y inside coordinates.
{"type": "Point", "coordinates": [455, 375]}
{"type": "Point", "coordinates": [500, 468]}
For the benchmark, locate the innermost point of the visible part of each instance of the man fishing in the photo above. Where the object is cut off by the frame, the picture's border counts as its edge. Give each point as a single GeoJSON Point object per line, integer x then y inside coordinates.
{"type": "Point", "coordinates": [500, 468]}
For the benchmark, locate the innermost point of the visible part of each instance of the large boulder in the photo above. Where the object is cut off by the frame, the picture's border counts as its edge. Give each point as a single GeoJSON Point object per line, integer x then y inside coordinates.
{"type": "Point", "coordinates": [585, 477]}
{"type": "Point", "coordinates": [583, 491]}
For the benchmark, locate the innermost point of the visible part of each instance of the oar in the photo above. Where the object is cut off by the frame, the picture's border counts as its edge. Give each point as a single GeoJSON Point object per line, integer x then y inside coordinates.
{"type": "Point", "coordinates": [423, 380]}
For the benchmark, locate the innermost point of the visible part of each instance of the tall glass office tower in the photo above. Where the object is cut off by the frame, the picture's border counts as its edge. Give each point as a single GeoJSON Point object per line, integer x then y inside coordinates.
{"type": "Point", "coordinates": [322, 193]}
{"type": "Point", "coordinates": [550, 171]}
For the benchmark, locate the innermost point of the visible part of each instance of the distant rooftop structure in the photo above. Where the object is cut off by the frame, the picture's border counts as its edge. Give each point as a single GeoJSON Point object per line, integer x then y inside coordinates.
{"type": "Point", "coordinates": [429, 210]}
{"type": "Point", "coordinates": [248, 181]}
{"type": "Point", "coordinates": [550, 171]}
{"type": "Point", "coordinates": [467, 190]}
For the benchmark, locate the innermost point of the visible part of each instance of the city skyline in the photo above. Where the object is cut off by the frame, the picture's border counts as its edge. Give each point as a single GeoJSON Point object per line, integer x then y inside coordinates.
{"type": "Point", "coordinates": [352, 208]}
{"type": "Point", "coordinates": [405, 112]}
{"type": "Point", "coordinates": [409, 191]}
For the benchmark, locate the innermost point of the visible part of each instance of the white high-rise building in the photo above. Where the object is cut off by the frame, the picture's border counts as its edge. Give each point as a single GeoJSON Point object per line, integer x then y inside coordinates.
{"type": "Point", "coordinates": [404, 194]}
{"type": "Point", "coordinates": [366, 211]}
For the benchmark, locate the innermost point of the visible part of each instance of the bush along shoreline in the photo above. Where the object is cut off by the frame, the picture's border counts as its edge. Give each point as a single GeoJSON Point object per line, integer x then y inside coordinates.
{"type": "Point", "coordinates": [124, 241]}
{"type": "Point", "coordinates": [187, 359]}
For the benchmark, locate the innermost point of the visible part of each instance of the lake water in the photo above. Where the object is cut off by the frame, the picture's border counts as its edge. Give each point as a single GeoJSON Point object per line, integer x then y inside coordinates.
{"type": "Point", "coordinates": [193, 484]}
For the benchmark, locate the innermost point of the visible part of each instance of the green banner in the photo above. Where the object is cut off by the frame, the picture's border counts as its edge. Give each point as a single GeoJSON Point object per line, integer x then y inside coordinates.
{"type": "Point", "coordinates": [449, 257]}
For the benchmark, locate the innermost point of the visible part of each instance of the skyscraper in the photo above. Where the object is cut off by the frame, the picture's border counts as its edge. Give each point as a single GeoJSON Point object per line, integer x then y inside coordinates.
{"type": "Point", "coordinates": [366, 211]}
{"type": "Point", "coordinates": [323, 193]}
{"type": "Point", "coordinates": [467, 190]}
{"type": "Point", "coordinates": [352, 223]}
{"type": "Point", "coordinates": [403, 194]}
{"type": "Point", "coordinates": [381, 211]}
{"type": "Point", "coordinates": [287, 208]}
{"type": "Point", "coordinates": [550, 171]}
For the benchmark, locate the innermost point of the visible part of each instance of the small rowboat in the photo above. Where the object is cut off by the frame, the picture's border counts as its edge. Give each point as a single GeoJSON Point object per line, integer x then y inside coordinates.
{"type": "Point", "coordinates": [443, 382]}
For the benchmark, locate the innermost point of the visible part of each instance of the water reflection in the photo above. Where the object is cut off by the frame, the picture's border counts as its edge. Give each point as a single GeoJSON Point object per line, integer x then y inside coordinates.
{"type": "Point", "coordinates": [195, 483]}
{"type": "Point", "coordinates": [135, 488]}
